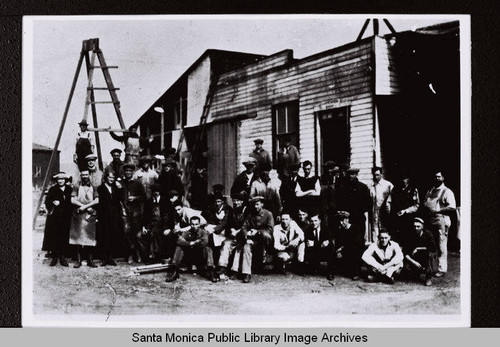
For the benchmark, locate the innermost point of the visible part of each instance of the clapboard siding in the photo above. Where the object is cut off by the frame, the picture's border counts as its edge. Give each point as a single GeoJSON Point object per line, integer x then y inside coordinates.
{"type": "Point", "coordinates": [387, 77]}
{"type": "Point", "coordinates": [343, 78]}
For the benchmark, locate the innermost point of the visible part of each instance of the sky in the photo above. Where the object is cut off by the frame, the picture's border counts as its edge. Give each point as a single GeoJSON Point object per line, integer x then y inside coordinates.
{"type": "Point", "coordinates": [153, 52]}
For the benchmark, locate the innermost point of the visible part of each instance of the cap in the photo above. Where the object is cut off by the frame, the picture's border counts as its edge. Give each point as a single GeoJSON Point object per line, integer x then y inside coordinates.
{"type": "Point", "coordinates": [218, 196]}
{"type": "Point", "coordinates": [91, 157]}
{"type": "Point", "coordinates": [128, 166]}
{"type": "Point", "coordinates": [343, 214]}
{"type": "Point", "coordinates": [257, 198]}
{"type": "Point", "coordinates": [249, 161]}
{"type": "Point", "coordinates": [116, 150]}
{"type": "Point", "coordinates": [60, 175]}
{"type": "Point", "coordinates": [352, 170]}
{"type": "Point", "coordinates": [418, 219]}
{"type": "Point", "coordinates": [258, 141]}
{"type": "Point", "coordinates": [329, 164]}
{"type": "Point", "coordinates": [83, 122]}
{"type": "Point", "coordinates": [240, 196]}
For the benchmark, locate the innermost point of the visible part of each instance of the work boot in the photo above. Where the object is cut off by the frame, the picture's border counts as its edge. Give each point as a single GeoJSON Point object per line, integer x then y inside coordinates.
{"type": "Point", "coordinates": [78, 261]}
{"type": "Point", "coordinates": [246, 278]}
{"type": "Point", "coordinates": [90, 262]}
{"type": "Point", "coordinates": [63, 261]}
{"type": "Point", "coordinates": [104, 261]}
{"type": "Point", "coordinates": [130, 259]}
{"type": "Point", "coordinates": [212, 275]}
{"type": "Point", "coordinates": [53, 262]}
{"type": "Point", "coordinates": [172, 276]}
{"type": "Point", "coordinates": [111, 261]}
{"type": "Point", "coordinates": [330, 276]}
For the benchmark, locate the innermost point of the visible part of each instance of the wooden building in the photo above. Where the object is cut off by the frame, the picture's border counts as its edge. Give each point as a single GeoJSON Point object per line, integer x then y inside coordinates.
{"type": "Point", "coordinates": [390, 100]}
{"type": "Point", "coordinates": [40, 163]}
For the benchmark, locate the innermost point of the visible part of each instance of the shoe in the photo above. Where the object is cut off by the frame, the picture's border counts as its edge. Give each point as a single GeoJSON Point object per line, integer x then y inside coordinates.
{"type": "Point", "coordinates": [213, 276]}
{"type": "Point", "coordinates": [53, 262]}
{"type": "Point", "coordinates": [247, 278]}
{"type": "Point", "coordinates": [233, 276]}
{"type": "Point", "coordinates": [130, 260]}
{"type": "Point", "coordinates": [49, 255]}
{"type": "Point", "coordinates": [172, 276]}
{"type": "Point", "coordinates": [111, 262]}
{"type": "Point", "coordinates": [63, 262]}
{"type": "Point", "coordinates": [90, 263]}
{"type": "Point", "coordinates": [389, 280]}
{"type": "Point", "coordinates": [356, 278]}
{"type": "Point", "coordinates": [428, 283]}
{"type": "Point", "coordinates": [330, 276]}
{"type": "Point", "coordinates": [439, 274]}
{"type": "Point", "coordinates": [77, 264]}
{"type": "Point", "coordinates": [371, 278]}
{"type": "Point", "coordinates": [281, 268]}
{"type": "Point", "coordinates": [104, 262]}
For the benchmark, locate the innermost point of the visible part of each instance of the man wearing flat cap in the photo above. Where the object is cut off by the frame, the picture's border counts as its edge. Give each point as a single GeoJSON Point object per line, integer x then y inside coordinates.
{"type": "Point", "coordinates": [244, 180]}
{"type": "Point", "coordinates": [146, 175]}
{"type": "Point", "coordinates": [83, 146]}
{"type": "Point", "coordinates": [56, 233]}
{"type": "Point", "coordinates": [116, 165]}
{"type": "Point", "coordinates": [349, 246]}
{"type": "Point", "coordinates": [420, 252]}
{"type": "Point", "coordinates": [260, 155]}
{"type": "Point", "coordinates": [95, 175]}
{"type": "Point", "coordinates": [256, 235]}
{"type": "Point", "coordinates": [353, 196]}
{"type": "Point", "coordinates": [287, 155]}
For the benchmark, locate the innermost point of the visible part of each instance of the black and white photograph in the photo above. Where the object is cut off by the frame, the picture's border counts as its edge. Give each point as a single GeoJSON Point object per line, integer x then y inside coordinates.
{"type": "Point", "coordinates": [246, 171]}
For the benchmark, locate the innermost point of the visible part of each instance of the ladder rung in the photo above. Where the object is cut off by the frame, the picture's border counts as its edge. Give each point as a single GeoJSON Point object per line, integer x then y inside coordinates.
{"type": "Point", "coordinates": [104, 102]}
{"type": "Point", "coordinates": [102, 88]}
{"type": "Point", "coordinates": [103, 67]}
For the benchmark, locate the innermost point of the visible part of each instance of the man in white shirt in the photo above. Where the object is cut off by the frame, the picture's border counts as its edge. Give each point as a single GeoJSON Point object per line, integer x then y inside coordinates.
{"type": "Point", "coordinates": [289, 243]}
{"type": "Point", "coordinates": [380, 192]}
{"type": "Point", "coordinates": [384, 259]}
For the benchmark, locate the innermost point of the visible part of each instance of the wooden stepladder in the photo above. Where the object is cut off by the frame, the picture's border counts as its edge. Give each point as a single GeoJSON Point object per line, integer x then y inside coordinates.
{"type": "Point", "coordinates": [90, 51]}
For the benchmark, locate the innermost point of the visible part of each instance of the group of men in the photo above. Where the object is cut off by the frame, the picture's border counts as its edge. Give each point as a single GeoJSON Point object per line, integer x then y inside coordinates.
{"type": "Point", "coordinates": [279, 220]}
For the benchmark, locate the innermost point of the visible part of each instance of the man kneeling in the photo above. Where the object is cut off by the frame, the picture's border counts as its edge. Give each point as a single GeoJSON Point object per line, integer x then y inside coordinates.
{"type": "Point", "coordinates": [193, 244]}
{"type": "Point", "coordinates": [289, 243]}
{"type": "Point", "coordinates": [384, 259]}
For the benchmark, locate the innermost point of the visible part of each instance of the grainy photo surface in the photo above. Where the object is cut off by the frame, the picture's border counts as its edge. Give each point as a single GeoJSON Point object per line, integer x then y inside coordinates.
{"type": "Point", "coordinates": [235, 170]}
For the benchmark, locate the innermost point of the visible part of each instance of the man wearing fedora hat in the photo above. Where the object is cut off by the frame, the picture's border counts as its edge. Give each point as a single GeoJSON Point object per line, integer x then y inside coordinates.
{"type": "Point", "coordinates": [260, 155]}
{"type": "Point", "coordinates": [83, 146]}
{"type": "Point", "coordinates": [244, 180]}
{"type": "Point", "coordinates": [56, 233]}
{"type": "Point", "coordinates": [420, 252]}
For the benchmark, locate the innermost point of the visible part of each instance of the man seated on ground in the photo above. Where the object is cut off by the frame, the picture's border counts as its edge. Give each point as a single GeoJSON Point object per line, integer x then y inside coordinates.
{"type": "Point", "coordinates": [384, 259]}
{"type": "Point", "coordinates": [217, 217]}
{"type": "Point", "coordinates": [192, 246]}
{"type": "Point", "coordinates": [421, 252]}
{"type": "Point", "coordinates": [233, 233]}
{"type": "Point", "coordinates": [289, 243]}
{"type": "Point", "coordinates": [256, 233]}
{"type": "Point", "coordinates": [319, 246]}
{"type": "Point", "coordinates": [349, 246]}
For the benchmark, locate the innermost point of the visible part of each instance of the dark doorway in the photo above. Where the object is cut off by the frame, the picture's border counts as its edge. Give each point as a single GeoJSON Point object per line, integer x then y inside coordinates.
{"type": "Point", "coordinates": [334, 125]}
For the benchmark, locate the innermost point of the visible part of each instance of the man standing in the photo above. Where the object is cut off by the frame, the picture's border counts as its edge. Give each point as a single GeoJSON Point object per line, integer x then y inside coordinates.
{"type": "Point", "coordinates": [56, 234]}
{"type": "Point", "coordinates": [354, 197]}
{"type": "Point", "coordinates": [319, 246]}
{"type": "Point", "coordinates": [193, 245]}
{"type": "Point", "coordinates": [83, 222]}
{"type": "Point", "coordinates": [421, 252]}
{"type": "Point", "coordinates": [155, 222]}
{"type": "Point", "coordinates": [145, 175]}
{"type": "Point", "coordinates": [83, 146]}
{"type": "Point", "coordinates": [264, 187]}
{"type": "Point", "coordinates": [328, 196]}
{"type": "Point", "coordinates": [133, 198]}
{"type": "Point", "coordinates": [116, 165]}
{"type": "Point", "coordinates": [288, 155]}
{"type": "Point", "coordinates": [349, 246]}
{"type": "Point", "coordinates": [384, 259]}
{"type": "Point", "coordinates": [244, 180]}
{"type": "Point", "coordinates": [380, 192]}
{"type": "Point", "coordinates": [133, 144]}
{"type": "Point", "coordinates": [308, 189]}
{"type": "Point", "coordinates": [256, 232]}
{"type": "Point", "coordinates": [289, 243]}
{"type": "Point", "coordinates": [95, 175]}
{"type": "Point", "coordinates": [260, 155]}
{"type": "Point", "coordinates": [287, 191]}
{"type": "Point", "coordinates": [169, 180]}
{"type": "Point", "coordinates": [439, 203]}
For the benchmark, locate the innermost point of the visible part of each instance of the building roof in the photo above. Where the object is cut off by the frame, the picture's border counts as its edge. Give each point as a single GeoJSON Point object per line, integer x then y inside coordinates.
{"type": "Point", "coordinates": [37, 147]}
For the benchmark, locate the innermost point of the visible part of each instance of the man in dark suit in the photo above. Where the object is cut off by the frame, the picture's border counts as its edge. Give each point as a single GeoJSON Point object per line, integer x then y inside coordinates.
{"type": "Point", "coordinates": [319, 246]}
{"type": "Point", "coordinates": [155, 222]}
{"type": "Point", "coordinates": [287, 190]}
{"type": "Point", "coordinates": [244, 180]}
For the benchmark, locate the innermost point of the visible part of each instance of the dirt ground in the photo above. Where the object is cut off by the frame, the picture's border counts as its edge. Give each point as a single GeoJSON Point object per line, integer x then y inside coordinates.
{"type": "Point", "coordinates": [110, 292]}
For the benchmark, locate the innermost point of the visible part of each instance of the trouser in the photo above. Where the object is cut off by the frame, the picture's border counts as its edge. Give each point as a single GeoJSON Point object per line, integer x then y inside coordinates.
{"type": "Point", "coordinates": [351, 261]}
{"type": "Point", "coordinates": [294, 253]}
{"type": "Point", "coordinates": [133, 230]}
{"type": "Point", "coordinates": [243, 255]}
{"type": "Point", "coordinates": [157, 242]}
{"type": "Point", "coordinates": [228, 247]}
{"type": "Point", "coordinates": [391, 271]}
{"type": "Point", "coordinates": [426, 261]}
{"type": "Point", "coordinates": [196, 255]}
{"type": "Point", "coordinates": [440, 231]}
{"type": "Point", "coordinates": [314, 255]}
